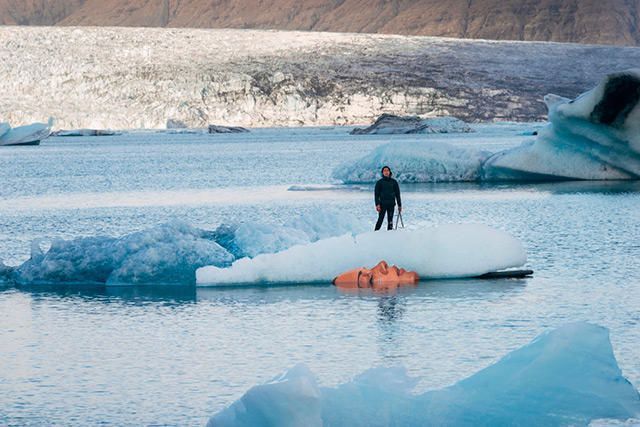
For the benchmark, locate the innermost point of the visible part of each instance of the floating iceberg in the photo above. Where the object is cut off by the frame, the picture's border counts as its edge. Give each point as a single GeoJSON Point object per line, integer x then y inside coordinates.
{"type": "Point", "coordinates": [454, 250]}
{"type": "Point", "coordinates": [568, 376]}
{"type": "Point", "coordinates": [388, 124]}
{"type": "Point", "coordinates": [168, 253]}
{"type": "Point", "coordinates": [164, 254]}
{"type": "Point", "coordinates": [416, 161]}
{"type": "Point", "coordinates": [85, 132]}
{"type": "Point", "coordinates": [227, 129]}
{"type": "Point", "coordinates": [25, 135]}
{"type": "Point", "coordinates": [594, 137]}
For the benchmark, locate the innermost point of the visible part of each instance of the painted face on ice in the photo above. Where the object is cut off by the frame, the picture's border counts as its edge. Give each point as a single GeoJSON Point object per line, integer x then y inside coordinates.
{"type": "Point", "coordinates": [380, 276]}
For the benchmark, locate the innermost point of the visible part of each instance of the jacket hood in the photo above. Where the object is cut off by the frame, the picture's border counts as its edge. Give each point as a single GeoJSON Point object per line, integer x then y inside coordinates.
{"type": "Point", "coordinates": [390, 171]}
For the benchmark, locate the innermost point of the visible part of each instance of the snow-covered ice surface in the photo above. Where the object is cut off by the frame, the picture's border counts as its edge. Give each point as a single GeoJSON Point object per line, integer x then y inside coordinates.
{"type": "Point", "coordinates": [568, 376]}
{"type": "Point", "coordinates": [128, 78]}
{"type": "Point", "coordinates": [82, 354]}
{"type": "Point", "coordinates": [593, 137]}
{"type": "Point", "coordinates": [447, 251]}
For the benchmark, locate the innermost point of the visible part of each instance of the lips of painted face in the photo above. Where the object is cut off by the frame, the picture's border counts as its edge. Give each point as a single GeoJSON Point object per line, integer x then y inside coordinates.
{"type": "Point", "coordinates": [382, 275]}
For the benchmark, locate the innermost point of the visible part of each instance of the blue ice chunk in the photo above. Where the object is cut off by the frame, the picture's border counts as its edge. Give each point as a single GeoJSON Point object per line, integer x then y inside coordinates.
{"type": "Point", "coordinates": [165, 254]}
{"type": "Point", "coordinates": [291, 399]}
{"type": "Point", "coordinates": [250, 239]}
{"type": "Point", "coordinates": [568, 376]}
{"type": "Point", "coordinates": [170, 253]}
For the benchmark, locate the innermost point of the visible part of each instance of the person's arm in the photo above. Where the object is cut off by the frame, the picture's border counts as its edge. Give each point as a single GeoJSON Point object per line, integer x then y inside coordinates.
{"type": "Point", "coordinates": [376, 194]}
{"type": "Point", "coordinates": [397, 191]}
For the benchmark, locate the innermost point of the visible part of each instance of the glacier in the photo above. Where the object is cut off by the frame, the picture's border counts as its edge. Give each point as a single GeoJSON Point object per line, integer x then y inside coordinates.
{"type": "Point", "coordinates": [567, 376]}
{"type": "Point", "coordinates": [168, 254]}
{"type": "Point", "coordinates": [593, 137]}
{"type": "Point", "coordinates": [446, 251]}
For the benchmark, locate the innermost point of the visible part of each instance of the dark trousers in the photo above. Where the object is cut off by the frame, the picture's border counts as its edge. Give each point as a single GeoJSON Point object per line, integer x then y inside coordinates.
{"type": "Point", "coordinates": [388, 210]}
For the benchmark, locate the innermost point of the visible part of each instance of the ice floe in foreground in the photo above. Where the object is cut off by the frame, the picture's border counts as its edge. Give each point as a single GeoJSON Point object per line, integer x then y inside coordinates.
{"type": "Point", "coordinates": [568, 376]}
{"type": "Point", "coordinates": [452, 250]}
{"type": "Point", "coordinates": [594, 137]}
{"type": "Point", "coordinates": [169, 253]}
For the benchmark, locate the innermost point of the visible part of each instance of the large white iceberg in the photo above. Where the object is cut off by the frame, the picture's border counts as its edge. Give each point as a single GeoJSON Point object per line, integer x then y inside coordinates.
{"type": "Point", "coordinates": [565, 377]}
{"type": "Point", "coordinates": [24, 135]}
{"type": "Point", "coordinates": [594, 137]}
{"type": "Point", "coordinates": [452, 250]}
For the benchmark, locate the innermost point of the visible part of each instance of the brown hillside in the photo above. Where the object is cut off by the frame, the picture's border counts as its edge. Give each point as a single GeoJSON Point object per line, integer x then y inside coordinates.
{"type": "Point", "coordinates": [581, 21]}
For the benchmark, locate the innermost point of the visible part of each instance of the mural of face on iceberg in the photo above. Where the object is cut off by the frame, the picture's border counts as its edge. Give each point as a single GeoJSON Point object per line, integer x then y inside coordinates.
{"type": "Point", "coordinates": [593, 137]}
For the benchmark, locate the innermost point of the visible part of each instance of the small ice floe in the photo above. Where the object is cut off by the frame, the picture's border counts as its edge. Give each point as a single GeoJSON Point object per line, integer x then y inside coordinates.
{"type": "Point", "coordinates": [227, 129]}
{"type": "Point", "coordinates": [389, 124]}
{"type": "Point", "coordinates": [25, 135]}
{"type": "Point", "coordinates": [566, 377]}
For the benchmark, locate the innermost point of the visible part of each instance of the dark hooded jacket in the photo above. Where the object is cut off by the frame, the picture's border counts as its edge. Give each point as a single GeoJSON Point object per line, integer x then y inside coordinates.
{"type": "Point", "coordinates": [387, 191]}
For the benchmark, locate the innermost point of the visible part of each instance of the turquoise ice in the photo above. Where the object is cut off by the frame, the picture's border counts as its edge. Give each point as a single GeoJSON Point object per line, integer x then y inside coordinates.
{"type": "Point", "coordinates": [568, 376]}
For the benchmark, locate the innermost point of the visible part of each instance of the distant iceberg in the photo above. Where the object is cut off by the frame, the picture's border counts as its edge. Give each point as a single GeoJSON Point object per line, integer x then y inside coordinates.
{"type": "Point", "coordinates": [416, 161]}
{"type": "Point", "coordinates": [168, 254]}
{"type": "Point", "coordinates": [85, 132]}
{"type": "Point", "coordinates": [594, 137]}
{"type": "Point", "coordinates": [389, 124]}
{"type": "Point", "coordinates": [24, 135]}
{"type": "Point", "coordinates": [447, 251]}
{"type": "Point", "coordinates": [565, 377]}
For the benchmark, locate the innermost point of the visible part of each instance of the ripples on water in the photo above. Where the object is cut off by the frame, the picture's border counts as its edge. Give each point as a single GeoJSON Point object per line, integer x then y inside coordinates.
{"type": "Point", "coordinates": [86, 355]}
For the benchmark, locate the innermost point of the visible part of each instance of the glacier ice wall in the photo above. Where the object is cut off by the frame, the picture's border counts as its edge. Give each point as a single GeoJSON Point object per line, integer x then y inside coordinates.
{"type": "Point", "coordinates": [568, 376]}
{"type": "Point", "coordinates": [123, 78]}
{"type": "Point", "coordinates": [452, 250]}
{"type": "Point", "coordinates": [593, 137]}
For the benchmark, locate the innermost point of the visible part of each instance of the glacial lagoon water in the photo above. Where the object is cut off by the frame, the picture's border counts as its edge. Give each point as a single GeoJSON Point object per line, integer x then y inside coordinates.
{"type": "Point", "coordinates": [153, 355]}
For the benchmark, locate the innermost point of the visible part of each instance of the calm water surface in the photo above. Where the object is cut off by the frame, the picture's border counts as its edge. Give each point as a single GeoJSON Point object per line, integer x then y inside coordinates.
{"type": "Point", "coordinates": [88, 355]}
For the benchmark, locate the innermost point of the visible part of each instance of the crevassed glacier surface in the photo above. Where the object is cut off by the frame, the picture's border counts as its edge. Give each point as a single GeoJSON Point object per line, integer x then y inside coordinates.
{"type": "Point", "coordinates": [568, 376]}
{"type": "Point", "coordinates": [451, 250]}
{"type": "Point", "coordinates": [593, 137]}
{"type": "Point", "coordinates": [169, 253]}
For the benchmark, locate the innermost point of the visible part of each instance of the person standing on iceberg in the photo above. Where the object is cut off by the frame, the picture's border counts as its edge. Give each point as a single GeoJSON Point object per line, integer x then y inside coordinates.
{"type": "Point", "coordinates": [386, 194]}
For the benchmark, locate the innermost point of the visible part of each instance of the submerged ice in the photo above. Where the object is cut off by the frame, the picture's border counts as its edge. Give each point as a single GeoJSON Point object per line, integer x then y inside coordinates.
{"type": "Point", "coordinates": [452, 250]}
{"type": "Point", "coordinates": [168, 253]}
{"type": "Point", "coordinates": [593, 137]}
{"type": "Point", "coordinates": [568, 376]}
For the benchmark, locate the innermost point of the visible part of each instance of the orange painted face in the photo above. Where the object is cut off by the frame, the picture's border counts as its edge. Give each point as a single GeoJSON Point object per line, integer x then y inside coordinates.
{"type": "Point", "coordinates": [380, 276]}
